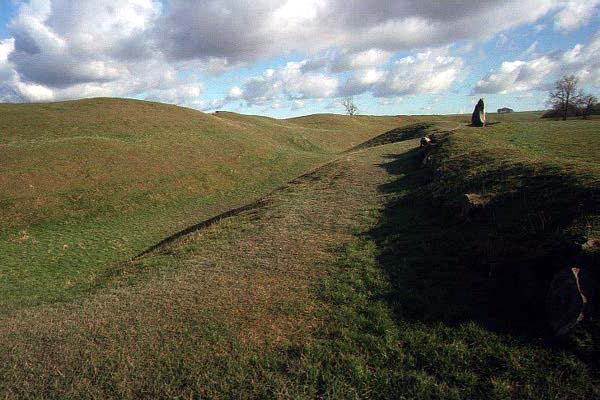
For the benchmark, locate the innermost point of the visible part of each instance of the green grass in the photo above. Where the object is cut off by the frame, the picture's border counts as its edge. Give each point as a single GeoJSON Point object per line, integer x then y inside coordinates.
{"type": "Point", "coordinates": [358, 280]}
{"type": "Point", "coordinates": [87, 183]}
{"type": "Point", "coordinates": [541, 179]}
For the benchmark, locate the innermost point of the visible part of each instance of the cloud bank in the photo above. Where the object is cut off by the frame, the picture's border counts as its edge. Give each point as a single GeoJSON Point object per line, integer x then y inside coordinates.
{"type": "Point", "coordinates": [535, 74]}
{"type": "Point", "coordinates": [67, 49]}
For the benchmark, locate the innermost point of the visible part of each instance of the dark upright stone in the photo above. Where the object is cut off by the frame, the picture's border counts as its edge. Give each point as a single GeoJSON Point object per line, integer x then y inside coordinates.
{"type": "Point", "coordinates": [478, 117]}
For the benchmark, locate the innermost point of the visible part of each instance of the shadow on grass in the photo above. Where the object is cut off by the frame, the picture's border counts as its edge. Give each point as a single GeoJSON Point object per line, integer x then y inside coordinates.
{"type": "Point", "coordinates": [417, 249]}
{"type": "Point", "coordinates": [493, 268]}
{"type": "Point", "coordinates": [414, 131]}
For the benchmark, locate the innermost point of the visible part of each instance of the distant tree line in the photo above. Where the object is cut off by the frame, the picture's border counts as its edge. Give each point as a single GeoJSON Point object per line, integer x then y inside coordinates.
{"type": "Point", "coordinates": [567, 99]}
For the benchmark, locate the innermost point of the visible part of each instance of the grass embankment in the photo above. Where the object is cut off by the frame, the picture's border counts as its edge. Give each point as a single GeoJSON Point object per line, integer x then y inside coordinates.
{"type": "Point", "coordinates": [538, 185]}
{"type": "Point", "coordinates": [87, 183]}
{"type": "Point", "coordinates": [350, 282]}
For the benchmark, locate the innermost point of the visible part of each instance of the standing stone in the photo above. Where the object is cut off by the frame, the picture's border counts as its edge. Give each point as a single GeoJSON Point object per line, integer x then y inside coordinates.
{"type": "Point", "coordinates": [478, 117]}
{"type": "Point", "coordinates": [567, 300]}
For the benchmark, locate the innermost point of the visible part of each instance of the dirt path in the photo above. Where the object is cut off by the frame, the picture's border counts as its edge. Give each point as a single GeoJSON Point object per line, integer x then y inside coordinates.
{"type": "Point", "coordinates": [177, 314]}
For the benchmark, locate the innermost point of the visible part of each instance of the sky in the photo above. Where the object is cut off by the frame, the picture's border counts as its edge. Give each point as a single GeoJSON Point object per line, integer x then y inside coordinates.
{"type": "Point", "coordinates": [295, 57]}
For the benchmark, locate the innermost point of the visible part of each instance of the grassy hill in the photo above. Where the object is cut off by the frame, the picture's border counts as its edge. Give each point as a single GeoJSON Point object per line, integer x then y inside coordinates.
{"type": "Point", "coordinates": [361, 279]}
{"type": "Point", "coordinates": [90, 182]}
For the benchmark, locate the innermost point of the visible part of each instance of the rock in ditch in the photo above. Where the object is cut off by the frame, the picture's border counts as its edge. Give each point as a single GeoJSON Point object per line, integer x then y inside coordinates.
{"type": "Point", "coordinates": [568, 299]}
{"type": "Point", "coordinates": [473, 202]}
{"type": "Point", "coordinates": [591, 246]}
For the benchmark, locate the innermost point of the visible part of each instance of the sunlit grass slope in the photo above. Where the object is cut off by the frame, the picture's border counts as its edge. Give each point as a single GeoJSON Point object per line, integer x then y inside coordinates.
{"type": "Point", "coordinates": [542, 165]}
{"type": "Point", "coordinates": [85, 183]}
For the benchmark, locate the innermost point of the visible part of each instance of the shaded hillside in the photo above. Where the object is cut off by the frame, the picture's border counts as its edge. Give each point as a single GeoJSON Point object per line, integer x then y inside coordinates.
{"type": "Point", "coordinates": [516, 203]}
{"type": "Point", "coordinates": [85, 183]}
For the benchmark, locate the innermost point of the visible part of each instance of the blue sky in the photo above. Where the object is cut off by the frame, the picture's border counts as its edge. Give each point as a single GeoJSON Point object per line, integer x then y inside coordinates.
{"type": "Point", "coordinates": [7, 9]}
{"type": "Point", "coordinates": [295, 57]}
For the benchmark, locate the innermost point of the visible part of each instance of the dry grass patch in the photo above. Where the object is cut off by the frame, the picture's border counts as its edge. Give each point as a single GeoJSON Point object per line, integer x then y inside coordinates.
{"type": "Point", "coordinates": [191, 316]}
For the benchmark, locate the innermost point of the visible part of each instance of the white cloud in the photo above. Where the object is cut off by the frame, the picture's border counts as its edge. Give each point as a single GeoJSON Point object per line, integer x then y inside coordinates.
{"type": "Point", "coordinates": [576, 13]}
{"type": "Point", "coordinates": [244, 30]}
{"type": "Point", "coordinates": [34, 92]}
{"type": "Point", "coordinates": [369, 76]}
{"type": "Point", "coordinates": [65, 43]}
{"type": "Point", "coordinates": [367, 59]}
{"type": "Point", "coordinates": [182, 94]}
{"type": "Point", "coordinates": [538, 73]}
{"type": "Point", "coordinates": [6, 71]}
{"type": "Point", "coordinates": [362, 81]}
{"type": "Point", "coordinates": [235, 93]}
{"type": "Point", "coordinates": [294, 14]}
{"type": "Point", "coordinates": [288, 82]}
{"type": "Point", "coordinates": [65, 49]}
{"type": "Point", "coordinates": [209, 105]}
{"type": "Point", "coordinates": [297, 104]}
{"type": "Point", "coordinates": [432, 71]}
{"type": "Point", "coordinates": [427, 72]}
{"type": "Point", "coordinates": [298, 84]}
{"type": "Point", "coordinates": [6, 47]}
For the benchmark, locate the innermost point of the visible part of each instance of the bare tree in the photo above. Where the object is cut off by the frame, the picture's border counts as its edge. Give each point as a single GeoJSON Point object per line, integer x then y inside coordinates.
{"type": "Point", "coordinates": [588, 103]}
{"type": "Point", "coordinates": [349, 105]}
{"type": "Point", "coordinates": [566, 95]}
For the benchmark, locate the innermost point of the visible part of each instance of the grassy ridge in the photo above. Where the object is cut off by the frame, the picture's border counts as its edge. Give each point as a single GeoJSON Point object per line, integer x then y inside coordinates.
{"type": "Point", "coordinates": [539, 180]}
{"type": "Point", "coordinates": [90, 182]}
{"type": "Point", "coordinates": [538, 186]}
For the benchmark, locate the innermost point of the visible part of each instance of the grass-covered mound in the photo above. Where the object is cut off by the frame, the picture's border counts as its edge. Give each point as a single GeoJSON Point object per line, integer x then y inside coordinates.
{"type": "Point", "coordinates": [537, 200]}
{"type": "Point", "coordinates": [90, 182]}
{"type": "Point", "coordinates": [349, 282]}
